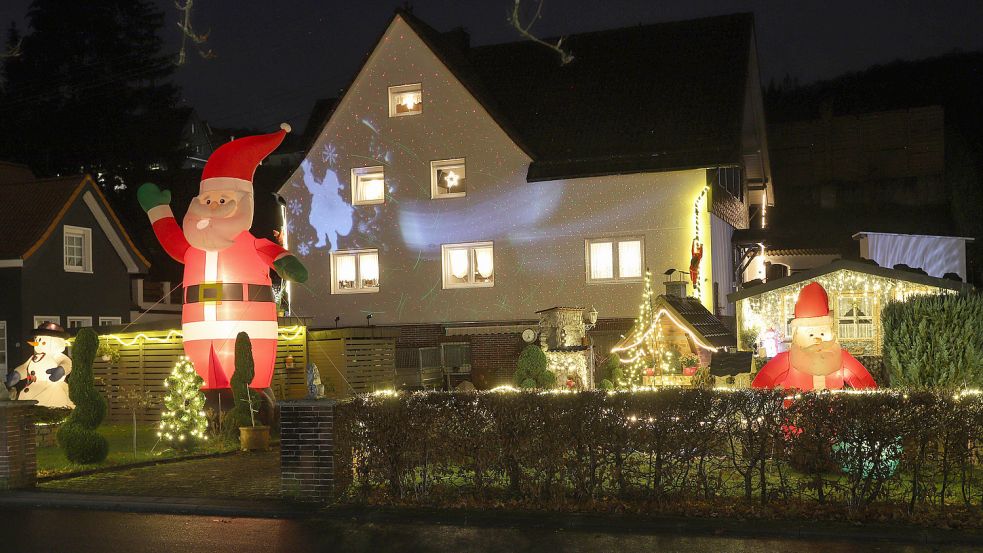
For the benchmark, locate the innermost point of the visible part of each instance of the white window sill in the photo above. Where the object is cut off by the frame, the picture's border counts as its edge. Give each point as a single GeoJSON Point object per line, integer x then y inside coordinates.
{"type": "Point", "coordinates": [355, 291]}
{"type": "Point", "coordinates": [449, 196]}
{"type": "Point", "coordinates": [76, 270]}
{"type": "Point", "coordinates": [477, 285]}
{"type": "Point", "coordinates": [370, 202]}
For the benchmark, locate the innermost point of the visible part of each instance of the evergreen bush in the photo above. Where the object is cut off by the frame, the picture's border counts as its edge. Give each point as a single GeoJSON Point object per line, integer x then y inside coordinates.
{"type": "Point", "coordinates": [77, 436]}
{"type": "Point", "coordinates": [934, 341]}
{"type": "Point", "coordinates": [532, 371]}
{"type": "Point", "coordinates": [183, 422]}
{"type": "Point", "coordinates": [243, 395]}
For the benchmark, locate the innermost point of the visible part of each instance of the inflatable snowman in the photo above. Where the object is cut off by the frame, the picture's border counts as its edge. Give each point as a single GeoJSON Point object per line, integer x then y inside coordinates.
{"type": "Point", "coordinates": [44, 377]}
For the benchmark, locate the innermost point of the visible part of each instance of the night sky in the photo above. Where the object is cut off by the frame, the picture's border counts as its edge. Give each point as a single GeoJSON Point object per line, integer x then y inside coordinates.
{"type": "Point", "coordinates": [276, 58]}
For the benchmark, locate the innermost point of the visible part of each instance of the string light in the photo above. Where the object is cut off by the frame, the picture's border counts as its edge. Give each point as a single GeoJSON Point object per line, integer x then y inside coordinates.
{"type": "Point", "coordinates": [289, 333]}
{"type": "Point", "coordinates": [183, 419]}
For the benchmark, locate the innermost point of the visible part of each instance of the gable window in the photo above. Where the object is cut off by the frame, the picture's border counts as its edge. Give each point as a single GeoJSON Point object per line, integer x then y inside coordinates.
{"type": "Point", "coordinates": [448, 179]}
{"type": "Point", "coordinates": [110, 321]}
{"type": "Point", "coordinates": [854, 316]}
{"type": "Point", "coordinates": [615, 260]}
{"type": "Point", "coordinates": [79, 322]}
{"type": "Point", "coordinates": [78, 249]}
{"type": "Point", "coordinates": [405, 99]}
{"type": "Point", "coordinates": [368, 185]}
{"type": "Point", "coordinates": [468, 265]}
{"type": "Point", "coordinates": [355, 272]}
{"type": "Point", "coordinates": [3, 347]}
{"type": "Point", "coordinates": [41, 319]}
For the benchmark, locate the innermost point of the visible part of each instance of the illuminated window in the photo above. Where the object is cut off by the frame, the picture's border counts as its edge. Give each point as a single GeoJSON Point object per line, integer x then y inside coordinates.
{"type": "Point", "coordinates": [110, 321]}
{"type": "Point", "coordinates": [3, 348]}
{"type": "Point", "coordinates": [854, 316]}
{"type": "Point", "coordinates": [78, 249]}
{"type": "Point", "coordinates": [405, 99]}
{"type": "Point", "coordinates": [79, 322]}
{"type": "Point", "coordinates": [41, 319]}
{"type": "Point", "coordinates": [615, 260]}
{"type": "Point", "coordinates": [448, 179]}
{"type": "Point", "coordinates": [468, 265]}
{"type": "Point", "coordinates": [368, 186]}
{"type": "Point", "coordinates": [355, 272]}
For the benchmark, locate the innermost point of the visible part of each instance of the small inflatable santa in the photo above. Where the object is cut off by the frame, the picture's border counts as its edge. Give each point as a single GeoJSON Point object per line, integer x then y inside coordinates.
{"type": "Point", "coordinates": [815, 360]}
{"type": "Point", "coordinates": [227, 287]}
{"type": "Point", "coordinates": [44, 377]}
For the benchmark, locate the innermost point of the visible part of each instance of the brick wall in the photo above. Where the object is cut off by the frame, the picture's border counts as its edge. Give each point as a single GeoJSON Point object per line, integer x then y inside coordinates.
{"type": "Point", "coordinates": [18, 461]}
{"type": "Point", "coordinates": [419, 336]}
{"type": "Point", "coordinates": [493, 358]}
{"type": "Point", "coordinates": [307, 449]}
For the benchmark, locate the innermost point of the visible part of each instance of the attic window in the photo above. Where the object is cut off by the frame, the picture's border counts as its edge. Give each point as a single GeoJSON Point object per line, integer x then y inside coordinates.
{"type": "Point", "coordinates": [405, 99]}
{"type": "Point", "coordinates": [368, 185]}
{"type": "Point", "coordinates": [448, 178]}
{"type": "Point", "coordinates": [78, 249]}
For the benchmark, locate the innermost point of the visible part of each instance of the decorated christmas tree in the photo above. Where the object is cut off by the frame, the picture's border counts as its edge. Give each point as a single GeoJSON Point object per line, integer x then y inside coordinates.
{"type": "Point", "coordinates": [183, 422]}
{"type": "Point", "coordinates": [640, 350]}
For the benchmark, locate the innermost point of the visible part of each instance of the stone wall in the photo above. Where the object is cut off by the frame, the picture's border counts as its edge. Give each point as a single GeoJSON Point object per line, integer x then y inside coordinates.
{"type": "Point", "coordinates": [307, 449]}
{"type": "Point", "coordinates": [18, 461]}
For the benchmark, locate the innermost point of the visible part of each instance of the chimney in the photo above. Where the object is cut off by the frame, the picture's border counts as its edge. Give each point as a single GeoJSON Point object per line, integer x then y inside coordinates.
{"type": "Point", "coordinates": [676, 288]}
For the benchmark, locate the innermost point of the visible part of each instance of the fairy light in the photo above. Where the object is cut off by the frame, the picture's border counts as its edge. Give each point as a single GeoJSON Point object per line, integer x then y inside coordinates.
{"type": "Point", "coordinates": [289, 333]}
{"type": "Point", "coordinates": [697, 287]}
{"type": "Point", "coordinates": [183, 418]}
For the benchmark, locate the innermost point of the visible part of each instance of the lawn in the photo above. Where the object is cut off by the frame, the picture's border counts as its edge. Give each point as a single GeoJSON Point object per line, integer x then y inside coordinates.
{"type": "Point", "coordinates": [52, 462]}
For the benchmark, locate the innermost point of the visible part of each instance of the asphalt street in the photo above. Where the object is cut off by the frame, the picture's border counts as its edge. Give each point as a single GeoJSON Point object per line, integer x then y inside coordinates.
{"type": "Point", "coordinates": [50, 531]}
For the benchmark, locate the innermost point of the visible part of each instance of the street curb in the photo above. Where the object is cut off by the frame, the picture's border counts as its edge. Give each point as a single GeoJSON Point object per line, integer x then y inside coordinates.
{"type": "Point", "coordinates": [155, 505]}
{"type": "Point", "coordinates": [634, 524]}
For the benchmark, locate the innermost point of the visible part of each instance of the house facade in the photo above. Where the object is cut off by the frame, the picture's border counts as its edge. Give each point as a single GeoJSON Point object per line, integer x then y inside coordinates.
{"type": "Point", "coordinates": [65, 258]}
{"type": "Point", "coordinates": [457, 187]}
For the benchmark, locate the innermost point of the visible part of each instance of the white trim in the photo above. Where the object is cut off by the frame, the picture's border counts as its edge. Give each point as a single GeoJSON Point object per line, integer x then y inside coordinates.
{"type": "Point", "coordinates": [223, 184]}
{"type": "Point", "coordinates": [211, 276]}
{"type": "Point", "coordinates": [110, 231]}
{"type": "Point", "coordinates": [41, 319]}
{"type": "Point", "coordinates": [86, 235]}
{"type": "Point", "coordinates": [440, 164]}
{"type": "Point", "coordinates": [110, 321]}
{"type": "Point", "coordinates": [7, 263]}
{"type": "Point", "coordinates": [357, 185]}
{"type": "Point", "coordinates": [616, 277]}
{"type": "Point", "coordinates": [865, 233]}
{"type": "Point", "coordinates": [400, 89]}
{"type": "Point", "coordinates": [228, 330]}
{"type": "Point", "coordinates": [86, 321]}
{"type": "Point", "coordinates": [359, 289]}
{"type": "Point", "coordinates": [446, 249]}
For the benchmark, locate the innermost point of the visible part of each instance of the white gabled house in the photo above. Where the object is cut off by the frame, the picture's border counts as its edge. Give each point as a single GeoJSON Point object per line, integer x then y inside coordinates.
{"type": "Point", "coordinates": [455, 191]}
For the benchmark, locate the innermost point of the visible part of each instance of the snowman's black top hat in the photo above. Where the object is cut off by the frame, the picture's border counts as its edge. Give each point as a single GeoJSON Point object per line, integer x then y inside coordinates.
{"type": "Point", "coordinates": [50, 329]}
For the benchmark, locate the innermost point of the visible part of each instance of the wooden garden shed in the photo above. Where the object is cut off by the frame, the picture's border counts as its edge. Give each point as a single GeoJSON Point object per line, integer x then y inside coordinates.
{"type": "Point", "coordinates": [354, 360]}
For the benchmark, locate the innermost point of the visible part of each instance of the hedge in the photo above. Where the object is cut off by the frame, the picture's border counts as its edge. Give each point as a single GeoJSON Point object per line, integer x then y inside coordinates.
{"type": "Point", "coordinates": [918, 450]}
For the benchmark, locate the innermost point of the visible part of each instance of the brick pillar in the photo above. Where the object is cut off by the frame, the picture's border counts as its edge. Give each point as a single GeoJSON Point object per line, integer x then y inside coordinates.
{"type": "Point", "coordinates": [307, 449]}
{"type": "Point", "coordinates": [18, 437]}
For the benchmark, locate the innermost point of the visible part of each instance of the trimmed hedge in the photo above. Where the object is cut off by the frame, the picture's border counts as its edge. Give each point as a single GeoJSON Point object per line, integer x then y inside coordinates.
{"type": "Point", "coordinates": [672, 446]}
{"type": "Point", "coordinates": [77, 436]}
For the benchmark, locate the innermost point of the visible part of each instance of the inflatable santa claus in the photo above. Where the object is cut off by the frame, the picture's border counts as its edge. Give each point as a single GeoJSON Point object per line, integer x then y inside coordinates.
{"type": "Point", "coordinates": [227, 288]}
{"type": "Point", "coordinates": [815, 360]}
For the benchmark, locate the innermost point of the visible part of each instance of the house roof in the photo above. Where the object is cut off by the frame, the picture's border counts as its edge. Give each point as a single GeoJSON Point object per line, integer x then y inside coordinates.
{"type": "Point", "coordinates": [656, 97]}
{"type": "Point", "coordinates": [30, 211]}
{"type": "Point", "coordinates": [700, 320]}
{"type": "Point", "coordinates": [14, 172]}
{"type": "Point", "coordinates": [867, 267]}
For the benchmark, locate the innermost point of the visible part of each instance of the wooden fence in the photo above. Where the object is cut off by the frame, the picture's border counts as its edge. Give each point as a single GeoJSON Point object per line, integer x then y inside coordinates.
{"type": "Point", "coordinates": [354, 360]}
{"type": "Point", "coordinates": [147, 357]}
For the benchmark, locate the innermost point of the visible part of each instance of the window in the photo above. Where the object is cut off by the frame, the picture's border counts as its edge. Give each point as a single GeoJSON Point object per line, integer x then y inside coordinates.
{"type": "Point", "coordinates": [405, 99]}
{"type": "Point", "coordinates": [110, 321]}
{"type": "Point", "coordinates": [41, 319]}
{"type": "Point", "coordinates": [368, 186]}
{"type": "Point", "coordinates": [3, 347]}
{"type": "Point", "coordinates": [455, 355]}
{"type": "Point", "coordinates": [615, 260]}
{"type": "Point", "coordinates": [79, 322]}
{"type": "Point", "coordinates": [78, 249]}
{"type": "Point", "coordinates": [448, 179]}
{"type": "Point", "coordinates": [355, 272]}
{"type": "Point", "coordinates": [468, 265]}
{"type": "Point", "coordinates": [855, 318]}
{"type": "Point", "coordinates": [788, 311]}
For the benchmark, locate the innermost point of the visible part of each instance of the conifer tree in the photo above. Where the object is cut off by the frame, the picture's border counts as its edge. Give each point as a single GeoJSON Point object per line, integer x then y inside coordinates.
{"type": "Point", "coordinates": [183, 422]}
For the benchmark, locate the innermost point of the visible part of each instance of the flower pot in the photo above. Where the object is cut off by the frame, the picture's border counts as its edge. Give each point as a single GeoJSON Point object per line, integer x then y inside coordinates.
{"type": "Point", "coordinates": [689, 371]}
{"type": "Point", "coordinates": [253, 438]}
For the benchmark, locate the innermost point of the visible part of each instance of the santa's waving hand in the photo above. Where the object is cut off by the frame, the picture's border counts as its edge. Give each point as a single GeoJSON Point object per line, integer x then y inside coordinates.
{"type": "Point", "coordinates": [227, 287]}
{"type": "Point", "coordinates": [815, 360]}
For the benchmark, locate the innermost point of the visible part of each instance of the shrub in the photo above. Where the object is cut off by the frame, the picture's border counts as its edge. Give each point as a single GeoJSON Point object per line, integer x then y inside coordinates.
{"type": "Point", "coordinates": [934, 341]}
{"type": "Point", "coordinates": [77, 436]}
{"type": "Point", "coordinates": [246, 400]}
{"type": "Point", "coordinates": [183, 420]}
{"type": "Point", "coordinates": [532, 367]}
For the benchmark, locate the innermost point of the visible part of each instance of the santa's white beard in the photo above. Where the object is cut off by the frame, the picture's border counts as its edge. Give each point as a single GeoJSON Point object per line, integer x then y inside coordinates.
{"type": "Point", "coordinates": [819, 360]}
{"type": "Point", "coordinates": [214, 230]}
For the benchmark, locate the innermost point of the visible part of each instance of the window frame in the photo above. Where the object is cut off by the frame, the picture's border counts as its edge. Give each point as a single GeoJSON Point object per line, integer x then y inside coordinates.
{"type": "Point", "coordinates": [359, 289]}
{"type": "Point", "coordinates": [401, 89]}
{"type": "Point", "coordinates": [445, 250]}
{"type": "Point", "coordinates": [356, 183]}
{"type": "Point", "coordinates": [615, 259]}
{"type": "Point", "coordinates": [41, 319]}
{"type": "Point", "coordinates": [855, 319]}
{"type": "Point", "coordinates": [110, 321]}
{"type": "Point", "coordinates": [86, 235]}
{"type": "Point", "coordinates": [443, 357]}
{"type": "Point", "coordinates": [87, 321]}
{"type": "Point", "coordinates": [440, 164]}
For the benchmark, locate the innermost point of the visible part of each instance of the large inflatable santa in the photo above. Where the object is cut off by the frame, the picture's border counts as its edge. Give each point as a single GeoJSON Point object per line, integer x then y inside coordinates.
{"type": "Point", "coordinates": [815, 360]}
{"type": "Point", "coordinates": [227, 286]}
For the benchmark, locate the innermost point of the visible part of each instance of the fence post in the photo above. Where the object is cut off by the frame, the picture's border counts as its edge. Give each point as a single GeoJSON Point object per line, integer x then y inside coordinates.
{"type": "Point", "coordinates": [307, 449]}
{"type": "Point", "coordinates": [18, 443]}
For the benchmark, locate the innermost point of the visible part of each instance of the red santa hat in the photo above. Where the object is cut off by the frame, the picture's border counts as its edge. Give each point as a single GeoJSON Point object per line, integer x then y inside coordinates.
{"type": "Point", "coordinates": [233, 164]}
{"type": "Point", "coordinates": [812, 307]}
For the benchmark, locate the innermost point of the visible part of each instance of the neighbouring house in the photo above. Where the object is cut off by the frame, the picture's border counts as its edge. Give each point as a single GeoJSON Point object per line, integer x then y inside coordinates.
{"type": "Point", "coordinates": [64, 258]}
{"type": "Point", "coordinates": [455, 186]}
{"type": "Point", "coordinates": [858, 291]}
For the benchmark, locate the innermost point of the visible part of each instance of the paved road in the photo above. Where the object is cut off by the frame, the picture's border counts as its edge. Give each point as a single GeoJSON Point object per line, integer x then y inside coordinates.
{"type": "Point", "coordinates": [92, 531]}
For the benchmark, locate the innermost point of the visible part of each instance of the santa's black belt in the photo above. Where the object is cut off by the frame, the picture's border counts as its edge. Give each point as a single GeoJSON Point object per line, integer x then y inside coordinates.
{"type": "Point", "coordinates": [227, 291]}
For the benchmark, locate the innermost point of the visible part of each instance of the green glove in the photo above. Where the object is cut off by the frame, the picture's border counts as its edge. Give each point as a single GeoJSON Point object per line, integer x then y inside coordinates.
{"type": "Point", "coordinates": [150, 196]}
{"type": "Point", "coordinates": [290, 268]}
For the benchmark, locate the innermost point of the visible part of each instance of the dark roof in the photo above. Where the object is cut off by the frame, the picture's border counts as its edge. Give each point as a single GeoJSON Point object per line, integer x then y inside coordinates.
{"type": "Point", "coordinates": [702, 321]}
{"type": "Point", "coordinates": [14, 172]}
{"type": "Point", "coordinates": [866, 267]}
{"type": "Point", "coordinates": [730, 363]}
{"type": "Point", "coordinates": [648, 98]}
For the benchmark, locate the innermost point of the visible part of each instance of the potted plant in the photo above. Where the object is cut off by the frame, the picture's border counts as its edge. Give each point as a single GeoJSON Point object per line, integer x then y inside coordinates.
{"type": "Point", "coordinates": [252, 436]}
{"type": "Point", "coordinates": [690, 364]}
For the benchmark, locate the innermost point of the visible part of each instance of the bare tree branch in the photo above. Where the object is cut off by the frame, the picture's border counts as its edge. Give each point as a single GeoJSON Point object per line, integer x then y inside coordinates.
{"type": "Point", "coordinates": [188, 33]}
{"type": "Point", "coordinates": [525, 30]}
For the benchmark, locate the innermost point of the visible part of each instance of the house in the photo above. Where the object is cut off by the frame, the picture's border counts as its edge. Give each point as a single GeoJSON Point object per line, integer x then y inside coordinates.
{"type": "Point", "coordinates": [64, 258]}
{"type": "Point", "coordinates": [457, 186]}
{"type": "Point", "coordinates": [857, 290]}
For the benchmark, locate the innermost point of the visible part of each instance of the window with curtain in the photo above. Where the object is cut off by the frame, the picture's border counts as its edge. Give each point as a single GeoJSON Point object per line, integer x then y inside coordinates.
{"type": "Point", "coordinates": [615, 259]}
{"type": "Point", "coordinates": [355, 271]}
{"type": "Point", "coordinates": [405, 99]}
{"type": "Point", "coordinates": [448, 179]}
{"type": "Point", "coordinates": [468, 265]}
{"type": "Point", "coordinates": [368, 185]}
{"type": "Point", "coordinates": [855, 318]}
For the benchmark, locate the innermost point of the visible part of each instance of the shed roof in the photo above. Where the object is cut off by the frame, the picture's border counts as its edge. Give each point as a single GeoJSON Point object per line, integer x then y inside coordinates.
{"type": "Point", "coordinates": [700, 319]}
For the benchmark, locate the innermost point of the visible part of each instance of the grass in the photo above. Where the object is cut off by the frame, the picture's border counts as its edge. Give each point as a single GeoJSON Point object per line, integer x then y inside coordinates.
{"type": "Point", "coordinates": [52, 462]}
